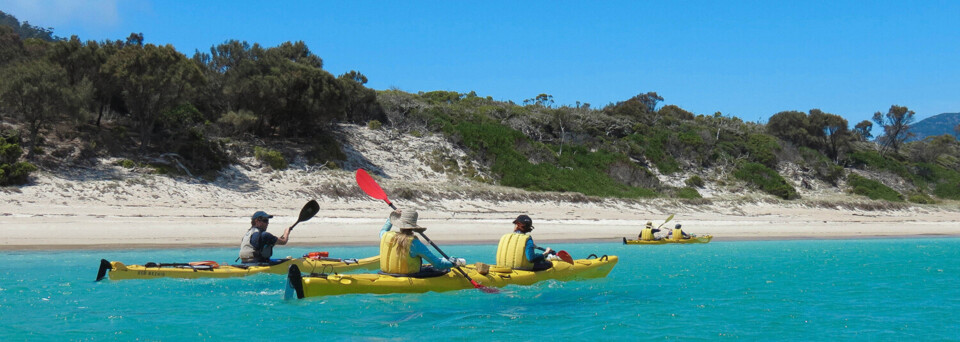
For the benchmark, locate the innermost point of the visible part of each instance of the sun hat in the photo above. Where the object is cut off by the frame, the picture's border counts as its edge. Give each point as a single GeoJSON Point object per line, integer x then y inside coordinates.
{"type": "Point", "coordinates": [525, 220]}
{"type": "Point", "coordinates": [261, 214]}
{"type": "Point", "coordinates": [408, 220]}
{"type": "Point", "coordinates": [649, 224]}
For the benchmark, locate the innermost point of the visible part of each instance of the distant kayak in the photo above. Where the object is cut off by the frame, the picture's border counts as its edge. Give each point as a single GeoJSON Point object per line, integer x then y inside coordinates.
{"type": "Point", "coordinates": [209, 269]}
{"type": "Point", "coordinates": [301, 286]}
{"type": "Point", "coordinates": [695, 239]}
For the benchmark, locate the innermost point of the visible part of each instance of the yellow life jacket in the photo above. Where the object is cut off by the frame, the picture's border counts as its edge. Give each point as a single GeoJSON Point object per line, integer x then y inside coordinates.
{"type": "Point", "coordinates": [511, 252]}
{"type": "Point", "coordinates": [395, 259]}
{"type": "Point", "coordinates": [646, 234]}
{"type": "Point", "coordinates": [677, 234]}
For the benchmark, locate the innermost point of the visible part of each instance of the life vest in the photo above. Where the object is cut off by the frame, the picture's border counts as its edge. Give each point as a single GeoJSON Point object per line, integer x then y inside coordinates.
{"type": "Point", "coordinates": [249, 252]}
{"type": "Point", "coordinates": [511, 252]}
{"type": "Point", "coordinates": [395, 259]}
{"type": "Point", "coordinates": [647, 234]}
{"type": "Point", "coordinates": [677, 234]}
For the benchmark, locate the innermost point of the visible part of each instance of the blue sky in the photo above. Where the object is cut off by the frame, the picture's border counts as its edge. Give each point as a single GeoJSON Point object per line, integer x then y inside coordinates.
{"type": "Point", "coordinates": [749, 59]}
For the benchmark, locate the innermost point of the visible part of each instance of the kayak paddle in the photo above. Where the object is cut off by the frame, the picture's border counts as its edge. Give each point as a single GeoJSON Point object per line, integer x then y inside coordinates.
{"type": "Point", "coordinates": [563, 255]}
{"type": "Point", "coordinates": [310, 209]}
{"type": "Point", "coordinates": [665, 221]}
{"type": "Point", "coordinates": [370, 186]}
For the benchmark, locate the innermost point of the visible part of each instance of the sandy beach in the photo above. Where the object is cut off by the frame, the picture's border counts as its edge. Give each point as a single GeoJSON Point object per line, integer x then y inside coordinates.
{"type": "Point", "coordinates": [123, 209]}
{"type": "Point", "coordinates": [105, 206]}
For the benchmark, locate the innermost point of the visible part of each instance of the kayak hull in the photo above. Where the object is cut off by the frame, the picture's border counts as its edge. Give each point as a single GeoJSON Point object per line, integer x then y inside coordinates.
{"type": "Point", "coordinates": [301, 286]}
{"type": "Point", "coordinates": [698, 239]}
{"type": "Point", "coordinates": [116, 270]}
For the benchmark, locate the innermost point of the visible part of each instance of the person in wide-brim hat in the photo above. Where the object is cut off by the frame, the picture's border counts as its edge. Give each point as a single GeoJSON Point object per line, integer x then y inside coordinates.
{"type": "Point", "coordinates": [403, 253]}
{"type": "Point", "coordinates": [406, 221]}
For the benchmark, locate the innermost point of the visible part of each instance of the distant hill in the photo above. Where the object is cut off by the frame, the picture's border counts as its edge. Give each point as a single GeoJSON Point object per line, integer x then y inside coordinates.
{"type": "Point", "coordinates": [25, 30]}
{"type": "Point", "coordinates": [939, 124]}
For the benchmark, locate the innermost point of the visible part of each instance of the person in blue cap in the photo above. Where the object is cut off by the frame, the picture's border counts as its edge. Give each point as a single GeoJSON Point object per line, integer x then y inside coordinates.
{"type": "Point", "coordinates": [257, 245]}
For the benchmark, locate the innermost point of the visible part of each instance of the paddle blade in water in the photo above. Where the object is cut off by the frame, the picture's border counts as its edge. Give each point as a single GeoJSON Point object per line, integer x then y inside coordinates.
{"type": "Point", "coordinates": [565, 256]}
{"type": "Point", "coordinates": [485, 289]}
{"type": "Point", "coordinates": [309, 210]}
{"type": "Point", "coordinates": [370, 186]}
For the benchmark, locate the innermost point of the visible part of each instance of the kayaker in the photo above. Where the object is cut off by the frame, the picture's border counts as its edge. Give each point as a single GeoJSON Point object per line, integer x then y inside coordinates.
{"type": "Point", "coordinates": [517, 250]}
{"type": "Point", "coordinates": [677, 232]}
{"type": "Point", "coordinates": [648, 233]}
{"type": "Point", "coordinates": [402, 253]}
{"type": "Point", "coordinates": [257, 245]}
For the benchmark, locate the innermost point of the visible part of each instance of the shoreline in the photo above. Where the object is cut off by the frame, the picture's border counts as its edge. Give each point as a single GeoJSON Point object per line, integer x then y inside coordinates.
{"type": "Point", "coordinates": [116, 247]}
{"type": "Point", "coordinates": [106, 207]}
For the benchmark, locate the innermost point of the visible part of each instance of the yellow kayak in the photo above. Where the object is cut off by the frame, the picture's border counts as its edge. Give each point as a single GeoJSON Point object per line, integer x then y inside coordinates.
{"type": "Point", "coordinates": [695, 239]}
{"type": "Point", "coordinates": [313, 285]}
{"type": "Point", "coordinates": [210, 269]}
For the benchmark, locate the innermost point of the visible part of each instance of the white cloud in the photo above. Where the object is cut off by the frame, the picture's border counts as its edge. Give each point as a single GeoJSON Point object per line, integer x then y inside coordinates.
{"type": "Point", "coordinates": [91, 14]}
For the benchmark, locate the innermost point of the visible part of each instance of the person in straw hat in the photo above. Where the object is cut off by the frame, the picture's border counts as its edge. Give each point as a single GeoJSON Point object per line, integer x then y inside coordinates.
{"type": "Point", "coordinates": [649, 233]}
{"type": "Point", "coordinates": [402, 253]}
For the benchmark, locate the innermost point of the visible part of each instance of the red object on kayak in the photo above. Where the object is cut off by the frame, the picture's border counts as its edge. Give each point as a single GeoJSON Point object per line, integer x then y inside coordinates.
{"type": "Point", "coordinates": [316, 255]}
{"type": "Point", "coordinates": [212, 264]}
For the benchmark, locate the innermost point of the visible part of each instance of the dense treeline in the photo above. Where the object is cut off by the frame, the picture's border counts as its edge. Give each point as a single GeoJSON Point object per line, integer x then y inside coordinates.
{"type": "Point", "coordinates": [181, 113]}
{"type": "Point", "coordinates": [170, 105]}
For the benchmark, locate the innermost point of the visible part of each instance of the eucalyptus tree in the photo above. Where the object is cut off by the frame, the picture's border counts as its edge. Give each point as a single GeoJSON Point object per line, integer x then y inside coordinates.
{"type": "Point", "coordinates": [39, 92]}
{"type": "Point", "coordinates": [152, 79]}
{"type": "Point", "coordinates": [896, 127]}
{"type": "Point", "coordinates": [862, 130]}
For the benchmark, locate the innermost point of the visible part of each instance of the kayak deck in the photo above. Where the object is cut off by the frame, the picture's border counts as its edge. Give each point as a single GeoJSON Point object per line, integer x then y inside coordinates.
{"type": "Point", "coordinates": [117, 270]}
{"type": "Point", "coordinates": [696, 239]}
{"type": "Point", "coordinates": [300, 286]}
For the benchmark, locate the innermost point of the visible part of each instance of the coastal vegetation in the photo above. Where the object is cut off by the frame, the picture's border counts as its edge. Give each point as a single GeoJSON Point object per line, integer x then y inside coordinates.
{"type": "Point", "coordinates": [65, 100]}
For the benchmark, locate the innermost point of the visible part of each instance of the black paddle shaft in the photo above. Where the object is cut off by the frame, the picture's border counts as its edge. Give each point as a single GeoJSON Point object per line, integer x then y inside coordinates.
{"type": "Point", "coordinates": [445, 256]}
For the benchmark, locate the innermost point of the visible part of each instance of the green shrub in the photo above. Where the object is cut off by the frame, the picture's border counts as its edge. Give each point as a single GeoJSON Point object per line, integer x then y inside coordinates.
{"type": "Point", "coordinates": [16, 173]}
{"type": "Point", "coordinates": [201, 156]}
{"type": "Point", "coordinates": [688, 193]}
{"type": "Point", "coordinates": [325, 149]}
{"type": "Point", "coordinates": [273, 158]}
{"type": "Point", "coordinates": [948, 190]}
{"type": "Point", "coordinates": [921, 198]}
{"type": "Point", "coordinates": [127, 163]}
{"type": "Point", "coordinates": [872, 189]}
{"type": "Point", "coordinates": [767, 179]}
{"type": "Point", "coordinates": [694, 182]}
{"type": "Point", "coordinates": [374, 124]}
{"type": "Point", "coordinates": [873, 160]}
{"type": "Point", "coordinates": [823, 167]}
{"type": "Point", "coordinates": [237, 122]}
{"type": "Point", "coordinates": [577, 169]}
{"type": "Point", "coordinates": [762, 149]}
{"type": "Point", "coordinates": [13, 172]}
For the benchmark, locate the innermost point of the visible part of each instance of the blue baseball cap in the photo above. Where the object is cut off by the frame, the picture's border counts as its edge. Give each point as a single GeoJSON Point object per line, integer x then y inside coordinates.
{"type": "Point", "coordinates": [261, 214]}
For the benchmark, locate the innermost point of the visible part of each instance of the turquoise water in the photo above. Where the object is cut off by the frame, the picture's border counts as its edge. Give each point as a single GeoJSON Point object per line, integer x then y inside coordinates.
{"type": "Point", "coordinates": [822, 290]}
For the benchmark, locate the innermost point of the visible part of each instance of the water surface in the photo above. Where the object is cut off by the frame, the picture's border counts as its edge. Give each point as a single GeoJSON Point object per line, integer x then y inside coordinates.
{"type": "Point", "coordinates": [825, 290]}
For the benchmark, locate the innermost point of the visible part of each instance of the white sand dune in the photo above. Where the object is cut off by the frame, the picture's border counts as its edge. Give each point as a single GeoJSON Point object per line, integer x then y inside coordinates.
{"type": "Point", "coordinates": [108, 206]}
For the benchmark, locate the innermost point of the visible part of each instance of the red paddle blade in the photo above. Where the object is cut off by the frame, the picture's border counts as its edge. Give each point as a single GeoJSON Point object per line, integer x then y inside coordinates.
{"type": "Point", "coordinates": [370, 186]}
{"type": "Point", "coordinates": [565, 256]}
{"type": "Point", "coordinates": [486, 289]}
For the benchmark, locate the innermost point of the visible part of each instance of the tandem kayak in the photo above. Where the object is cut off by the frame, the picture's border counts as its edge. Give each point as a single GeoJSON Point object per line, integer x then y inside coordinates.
{"type": "Point", "coordinates": [695, 239]}
{"type": "Point", "coordinates": [210, 269]}
{"type": "Point", "coordinates": [314, 285]}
